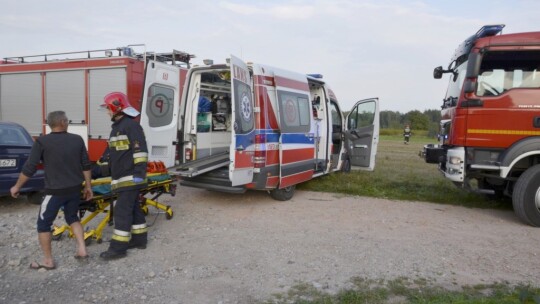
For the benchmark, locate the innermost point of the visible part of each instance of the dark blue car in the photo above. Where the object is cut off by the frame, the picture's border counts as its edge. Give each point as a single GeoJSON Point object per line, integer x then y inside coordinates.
{"type": "Point", "coordinates": [15, 146]}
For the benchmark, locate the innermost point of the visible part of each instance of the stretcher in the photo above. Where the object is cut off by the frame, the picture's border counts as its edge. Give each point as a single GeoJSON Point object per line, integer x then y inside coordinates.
{"type": "Point", "coordinates": [100, 204]}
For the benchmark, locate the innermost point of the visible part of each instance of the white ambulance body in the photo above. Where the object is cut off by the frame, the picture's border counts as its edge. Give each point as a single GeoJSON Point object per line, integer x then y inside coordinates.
{"type": "Point", "coordinates": [241, 126]}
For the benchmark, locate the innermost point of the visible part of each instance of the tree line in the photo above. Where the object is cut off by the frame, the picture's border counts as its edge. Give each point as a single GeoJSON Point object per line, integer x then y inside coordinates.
{"type": "Point", "coordinates": [428, 120]}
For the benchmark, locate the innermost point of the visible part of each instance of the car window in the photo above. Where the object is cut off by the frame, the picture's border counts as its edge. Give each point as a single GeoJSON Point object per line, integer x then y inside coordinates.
{"type": "Point", "coordinates": [13, 136]}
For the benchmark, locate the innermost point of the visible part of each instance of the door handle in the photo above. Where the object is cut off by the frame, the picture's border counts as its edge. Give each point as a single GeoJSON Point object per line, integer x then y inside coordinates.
{"type": "Point", "coordinates": [536, 122]}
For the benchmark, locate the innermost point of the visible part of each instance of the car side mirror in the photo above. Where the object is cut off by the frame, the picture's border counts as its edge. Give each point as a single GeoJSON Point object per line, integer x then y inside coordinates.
{"type": "Point", "coordinates": [438, 72]}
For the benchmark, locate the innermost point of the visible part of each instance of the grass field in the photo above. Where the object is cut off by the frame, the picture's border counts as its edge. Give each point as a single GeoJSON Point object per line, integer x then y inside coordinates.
{"type": "Point", "coordinates": [402, 175]}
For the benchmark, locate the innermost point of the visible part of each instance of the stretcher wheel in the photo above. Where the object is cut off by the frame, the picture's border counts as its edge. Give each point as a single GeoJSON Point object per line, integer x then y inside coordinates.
{"type": "Point", "coordinates": [99, 241]}
{"type": "Point", "coordinates": [145, 210]}
{"type": "Point", "coordinates": [169, 215]}
{"type": "Point", "coordinates": [56, 237]}
{"type": "Point", "coordinates": [88, 241]}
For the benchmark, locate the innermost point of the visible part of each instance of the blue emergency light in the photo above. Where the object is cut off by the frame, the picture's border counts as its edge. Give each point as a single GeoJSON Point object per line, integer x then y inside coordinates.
{"type": "Point", "coordinates": [318, 76]}
{"type": "Point", "coordinates": [489, 30]}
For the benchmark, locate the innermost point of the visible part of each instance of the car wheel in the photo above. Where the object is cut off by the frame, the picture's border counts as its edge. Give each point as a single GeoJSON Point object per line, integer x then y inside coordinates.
{"type": "Point", "coordinates": [284, 194]}
{"type": "Point", "coordinates": [35, 197]}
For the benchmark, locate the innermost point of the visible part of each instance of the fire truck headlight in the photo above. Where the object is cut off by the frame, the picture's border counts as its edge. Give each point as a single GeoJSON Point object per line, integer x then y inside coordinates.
{"type": "Point", "coordinates": [454, 160]}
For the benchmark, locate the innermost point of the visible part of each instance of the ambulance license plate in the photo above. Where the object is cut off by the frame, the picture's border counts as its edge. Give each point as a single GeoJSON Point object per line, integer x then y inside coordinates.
{"type": "Point", "coordinates": [6, 163]}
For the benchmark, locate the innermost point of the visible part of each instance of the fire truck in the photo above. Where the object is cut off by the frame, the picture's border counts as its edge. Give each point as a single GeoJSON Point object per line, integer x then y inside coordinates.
{"type": "Point", "coordinates": [245, 126]}
{"type": "Point", "coordinates": [490, 128]}
{"type": "Point", "coordinates": [76, 82]}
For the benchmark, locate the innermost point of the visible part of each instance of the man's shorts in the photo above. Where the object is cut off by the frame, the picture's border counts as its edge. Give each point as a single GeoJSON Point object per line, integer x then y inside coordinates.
{"type": "Point", "coordinates": [51, 205]}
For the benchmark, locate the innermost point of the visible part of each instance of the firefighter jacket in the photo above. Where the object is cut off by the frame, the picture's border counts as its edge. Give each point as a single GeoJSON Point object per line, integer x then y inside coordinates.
{"type": "Point", "coordinates": [128, 155]}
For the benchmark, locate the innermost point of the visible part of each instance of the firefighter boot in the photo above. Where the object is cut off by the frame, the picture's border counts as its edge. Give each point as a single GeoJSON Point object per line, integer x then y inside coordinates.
{"type": "Point", "coordinates": [138, 241]}
{"type": "Point", "coordinates": [117, 250]}
{"type": "Point", "coordinates": [112, 255]}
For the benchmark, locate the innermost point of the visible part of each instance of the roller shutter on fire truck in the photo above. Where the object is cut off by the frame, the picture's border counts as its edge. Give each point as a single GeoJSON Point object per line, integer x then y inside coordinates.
{"type": "Point", "coordinates": [64, 91]}
{"type": "Point", "coordinates": [21, 97]}
{"type": "Point", "coordinates": [20, 100]}
{"type": "Point", "coordinates": [101, 83]}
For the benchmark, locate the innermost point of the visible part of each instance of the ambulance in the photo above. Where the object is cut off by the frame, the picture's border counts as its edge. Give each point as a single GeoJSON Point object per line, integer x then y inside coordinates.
{"type": "Point", "coordinates": [241, 126]}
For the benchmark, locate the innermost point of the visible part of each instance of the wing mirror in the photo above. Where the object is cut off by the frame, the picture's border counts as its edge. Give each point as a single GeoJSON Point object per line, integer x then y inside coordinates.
{"type": "Point", "coordinates": [438, 72]}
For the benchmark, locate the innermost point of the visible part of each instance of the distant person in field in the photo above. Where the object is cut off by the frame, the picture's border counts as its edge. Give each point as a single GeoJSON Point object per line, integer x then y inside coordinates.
{"type": "Point", "coordinates": [406, 134]}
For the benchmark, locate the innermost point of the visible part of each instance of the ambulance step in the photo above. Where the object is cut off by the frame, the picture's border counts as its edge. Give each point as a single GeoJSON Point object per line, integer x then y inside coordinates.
{"type": "Point", "coordinates": [200, 166]}
{"type": "Point", "coordinates": [217, 180]}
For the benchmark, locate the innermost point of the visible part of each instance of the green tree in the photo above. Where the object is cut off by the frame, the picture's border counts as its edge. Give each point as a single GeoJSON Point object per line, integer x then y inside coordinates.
{"type": "Point", "coordinates": [391, 119]}
{"type": "Point", "coordinates": [417, 120]}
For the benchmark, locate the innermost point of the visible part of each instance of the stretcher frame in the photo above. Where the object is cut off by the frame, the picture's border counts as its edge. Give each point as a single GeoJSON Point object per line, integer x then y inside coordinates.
{"type": "Point", "coordinates": [102, 203]}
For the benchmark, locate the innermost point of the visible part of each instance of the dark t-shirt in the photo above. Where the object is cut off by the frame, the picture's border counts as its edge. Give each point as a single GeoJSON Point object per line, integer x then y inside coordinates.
{"type": "Point", "coordinates": [64, 157]}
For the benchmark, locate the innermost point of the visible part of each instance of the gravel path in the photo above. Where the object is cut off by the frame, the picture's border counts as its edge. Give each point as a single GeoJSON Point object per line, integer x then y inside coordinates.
{"type": "Point", "coordinates": [226, 248]}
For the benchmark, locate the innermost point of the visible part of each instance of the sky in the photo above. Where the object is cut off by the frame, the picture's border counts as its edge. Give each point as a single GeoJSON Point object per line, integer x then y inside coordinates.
{"type": "Point", "coordinates": [363, 48]}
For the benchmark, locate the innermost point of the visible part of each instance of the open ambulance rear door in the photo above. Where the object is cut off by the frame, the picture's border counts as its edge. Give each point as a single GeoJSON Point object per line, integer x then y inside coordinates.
{"type": "Point", "coordinates": [243, 131]}
{"type": "Point", "coordinates": [159, 111]}
{"type": "Point", "coordinates": [362, 134]}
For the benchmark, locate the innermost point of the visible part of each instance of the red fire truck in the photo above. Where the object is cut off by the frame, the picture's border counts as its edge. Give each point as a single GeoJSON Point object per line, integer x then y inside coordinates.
{"type": "Point", "coordinates": [75, 82]}
{"type": "Point", "coordinates": [490, 128]}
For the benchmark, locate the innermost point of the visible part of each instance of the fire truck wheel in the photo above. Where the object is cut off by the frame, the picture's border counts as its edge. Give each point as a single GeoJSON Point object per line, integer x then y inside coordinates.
{"type": "Point", "coordinates": [526, 196]}
{"type": "Point", "coordinates": [284, 194]}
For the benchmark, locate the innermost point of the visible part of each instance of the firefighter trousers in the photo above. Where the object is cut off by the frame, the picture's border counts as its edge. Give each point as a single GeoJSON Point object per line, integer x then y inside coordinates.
{"type": "Point", "coordinates": [129, 222]}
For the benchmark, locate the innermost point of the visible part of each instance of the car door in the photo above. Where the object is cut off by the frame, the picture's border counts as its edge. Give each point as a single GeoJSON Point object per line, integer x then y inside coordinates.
{"type": "Point", "coordinates": [159, 111]}
{"type": "Point", "coordinates": [243, 131]}
{"type": "Point", "coordinates": [362, 134]}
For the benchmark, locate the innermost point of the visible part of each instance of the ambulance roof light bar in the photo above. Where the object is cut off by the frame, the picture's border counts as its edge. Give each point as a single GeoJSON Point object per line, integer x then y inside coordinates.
{"type": "Point", "coordinates": [318, 76]}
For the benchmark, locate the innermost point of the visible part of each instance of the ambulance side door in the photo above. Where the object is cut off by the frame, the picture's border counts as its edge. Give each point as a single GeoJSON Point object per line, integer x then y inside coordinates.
{"type": "Point", "coordinates": [362, 134]}
{"type": "Point", "coordinates": [243, 131]}
{"type": "Point", "coordinates": [159, 111]}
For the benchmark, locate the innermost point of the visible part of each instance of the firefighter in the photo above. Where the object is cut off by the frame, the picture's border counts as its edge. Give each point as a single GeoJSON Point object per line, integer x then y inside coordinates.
{"type": "Point", "coordinates": [406, 134]}
{"type": "Point", "coordinates": [127, 158]}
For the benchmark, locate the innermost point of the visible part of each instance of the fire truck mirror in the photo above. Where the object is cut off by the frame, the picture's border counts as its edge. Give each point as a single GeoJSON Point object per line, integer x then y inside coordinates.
{"type": "Point", "coordinates": [437, 72]}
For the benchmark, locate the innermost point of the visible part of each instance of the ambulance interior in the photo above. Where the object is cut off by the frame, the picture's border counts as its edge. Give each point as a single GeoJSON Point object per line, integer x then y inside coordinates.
{"type": "Point", "coordinates": [323, 128]}
{"type": "Point", "coordinates": [210, 114]}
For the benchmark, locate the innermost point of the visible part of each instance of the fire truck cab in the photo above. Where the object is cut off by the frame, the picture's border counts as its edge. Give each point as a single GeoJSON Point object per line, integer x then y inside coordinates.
{"type": "Point", "coordinates": [491, 119]}
{"type": "Point", "coordinates": [246, 126]}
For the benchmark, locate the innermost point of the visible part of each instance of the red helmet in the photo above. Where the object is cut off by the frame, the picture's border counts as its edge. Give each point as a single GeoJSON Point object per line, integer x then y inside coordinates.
{"type": "Point", "coordinates": [118, 102]}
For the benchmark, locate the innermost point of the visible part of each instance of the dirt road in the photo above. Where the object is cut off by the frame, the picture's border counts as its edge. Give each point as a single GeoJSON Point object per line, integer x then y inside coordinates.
{"type": "Point", "coordinates": [224, 248]}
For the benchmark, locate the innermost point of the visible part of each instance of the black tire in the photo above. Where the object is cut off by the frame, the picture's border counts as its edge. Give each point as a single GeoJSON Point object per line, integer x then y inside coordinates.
{"type": "Point", "coordinates": [284, 194]}
{"type": "Point", "coordinates": [35, 198]}
{"type": "Point", "coordinates": [167, 215]}
{"type": "Point", "coordinates": [526, 196]}
{"type": "Point", "coordinates": [346, 166]}
{"type": "Point", "coordinates": [56, 237]}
